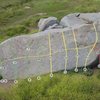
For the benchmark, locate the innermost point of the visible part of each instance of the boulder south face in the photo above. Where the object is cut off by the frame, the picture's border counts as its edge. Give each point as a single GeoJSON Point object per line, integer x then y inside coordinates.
{"type": "Point", "coordinates": [76, 45]}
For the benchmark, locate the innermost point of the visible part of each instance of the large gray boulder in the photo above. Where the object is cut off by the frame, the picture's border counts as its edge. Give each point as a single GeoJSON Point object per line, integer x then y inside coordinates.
{"type": "Point", "coordinates": [50, 51]}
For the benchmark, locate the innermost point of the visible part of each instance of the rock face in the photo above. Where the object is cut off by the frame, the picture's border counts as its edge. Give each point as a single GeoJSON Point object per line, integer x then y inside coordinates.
{"type": "Point", "coordinates": [76, 45]}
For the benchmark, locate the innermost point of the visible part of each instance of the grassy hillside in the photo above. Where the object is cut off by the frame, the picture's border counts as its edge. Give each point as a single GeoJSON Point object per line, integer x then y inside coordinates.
{"type": "Point", "coordinates": [21, 16]}
{"type": "Point", "coordinates": [73, 86]}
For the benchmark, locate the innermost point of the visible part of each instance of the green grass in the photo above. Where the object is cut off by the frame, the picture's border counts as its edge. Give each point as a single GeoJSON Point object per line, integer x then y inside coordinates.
{"type": "Point", "coordinates": [73, 86]}
{"type": "Point", "coordinates": [14, 15]}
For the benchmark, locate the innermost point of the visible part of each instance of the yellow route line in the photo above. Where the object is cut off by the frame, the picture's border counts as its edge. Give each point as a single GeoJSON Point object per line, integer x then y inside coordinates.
{"type": "Point", "coordinates": [65, 46]}
{"type": "Point", "coordinates": [75, 48]}
{"type": "Point", "coordinates": [93, 45]}
{"type": "Point", "coordinates": [40, 56]}
{"type": "Point", "coordinates": [50, 51]}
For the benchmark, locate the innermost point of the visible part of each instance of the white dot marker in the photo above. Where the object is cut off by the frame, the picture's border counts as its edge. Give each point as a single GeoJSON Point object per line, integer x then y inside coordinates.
{"type": "Point", "coordinates": [28, 49]}
{"type": "Point", "coordinates": [84, 69]}
{"type": "Point", "coordinates": [38, 78]}
{"type": "Point", "coordinates": [51, 75]}
{"type": "Point", "coordinates": [2, 81]}
{"type": "Point", "coordinates": [99, 66]}
{"type": "Point", "coordinates": [76, 70]}
{"type": "Point", "coordinates": [14, 62]}
{"type": "Point", "coordinates": [15, 81]}
{"type": "Point", "coordinates": [65, 71]}
{"type": "Point", "coordinates": [5, 80]}
{"type": "Point", "coordinates": [29, 80]}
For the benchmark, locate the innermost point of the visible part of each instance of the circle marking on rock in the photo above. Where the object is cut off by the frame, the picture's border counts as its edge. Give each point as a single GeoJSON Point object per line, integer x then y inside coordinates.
{"type": "Point", "coordinates": [28, 49]}
{"type": "Point", "coordinates": [38, 78]}
{"type": "Point", "coordinates": [16, 81]}
{"type": "Point", "coordinates": [51, 75]}
{"type": "Point", "coordinates": [14, 62]}
{"type": "Point", "coordinates": [65, 71]}
{"type": "Point", "coordinates": [84, 69]}
{"type": "Point", "coordinates": [29, 79]}
{"type": "Point", "coordinates": [76, 70]}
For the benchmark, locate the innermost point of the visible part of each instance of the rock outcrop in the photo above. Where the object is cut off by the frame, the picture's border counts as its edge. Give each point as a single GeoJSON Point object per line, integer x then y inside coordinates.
{"type": "Point", "coordinates": [76, 19]}
{"type": "Point", "coordinates": [76, 45]}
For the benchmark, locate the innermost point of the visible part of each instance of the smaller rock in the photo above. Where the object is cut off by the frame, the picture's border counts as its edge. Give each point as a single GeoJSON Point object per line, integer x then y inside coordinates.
{"type": "Point", "coordinates": [72, 20]}
{"type": "Point", "coordinates": [44, 23]}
